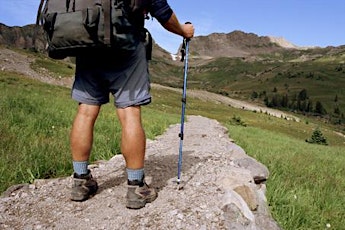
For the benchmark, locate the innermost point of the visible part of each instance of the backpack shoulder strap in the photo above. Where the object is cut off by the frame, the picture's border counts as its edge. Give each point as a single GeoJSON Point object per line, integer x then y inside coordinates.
{"type": "Point", "coordinates": [39, 11]}
{"type": "Point", "coordinates": [37, 27]}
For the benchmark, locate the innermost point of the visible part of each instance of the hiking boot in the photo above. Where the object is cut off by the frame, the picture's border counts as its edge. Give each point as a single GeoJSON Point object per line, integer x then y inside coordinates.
{"type": "Point", "coordinates": [139, 193]}
{"type": "Point", "coordinates": [83, 187]}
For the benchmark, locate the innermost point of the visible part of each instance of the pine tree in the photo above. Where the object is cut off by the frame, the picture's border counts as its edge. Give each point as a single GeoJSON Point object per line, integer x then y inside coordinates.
{"type": "Point", "coordinates": [319, 108]}
{"type": "Point", "coordinates": [317, 138]}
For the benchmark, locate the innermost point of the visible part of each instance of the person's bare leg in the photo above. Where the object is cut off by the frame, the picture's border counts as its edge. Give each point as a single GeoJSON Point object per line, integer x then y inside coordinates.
{"type": "Point", "coordinates": [133, 139]}
{"type": "Point", "coordinates": [81, 136]}
{"type": "Point", "coordinates": [81, 139]}
{"type": "Point", "coordinates": [133, 146]}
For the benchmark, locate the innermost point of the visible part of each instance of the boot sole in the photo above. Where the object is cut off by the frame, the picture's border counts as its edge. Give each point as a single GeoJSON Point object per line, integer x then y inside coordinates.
{"type": "Point", "coordinates": [137, 204]}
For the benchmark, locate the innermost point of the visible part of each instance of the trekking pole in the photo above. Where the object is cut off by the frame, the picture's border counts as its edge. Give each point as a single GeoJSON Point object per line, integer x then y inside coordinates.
{"type": "Point", "coordinates": [184, 57]}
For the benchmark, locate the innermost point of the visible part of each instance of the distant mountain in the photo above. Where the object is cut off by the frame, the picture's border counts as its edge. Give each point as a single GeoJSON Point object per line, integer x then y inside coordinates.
{"type": "Point", "coordinates": [234, 44]}
{"type": "Point", "coordinates": [283, 43]}
{"type": "Point", "coordinates": [32, 37]}
{"type": "Point", "coordinates": [22, 37]}
{"type": "Point", "coordinates": [286, 44]}
{"type": "Point", "coordinates": [238, 44]}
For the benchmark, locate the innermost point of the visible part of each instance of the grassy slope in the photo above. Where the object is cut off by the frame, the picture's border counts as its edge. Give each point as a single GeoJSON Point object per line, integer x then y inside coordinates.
{"type": "Point", "coordinates": [306, 185]}
{"type": "Point", "coordinates": [305, 189]}
{"type": "Point", "coordinates": [321, 76]}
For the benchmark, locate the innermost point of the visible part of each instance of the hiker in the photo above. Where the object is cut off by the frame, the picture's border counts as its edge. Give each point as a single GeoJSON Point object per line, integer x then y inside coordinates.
{"type": "Point", "coordinates": [124, 75]}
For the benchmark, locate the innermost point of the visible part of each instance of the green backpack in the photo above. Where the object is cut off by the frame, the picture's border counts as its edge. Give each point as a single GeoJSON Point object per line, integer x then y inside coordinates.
{"type": "Point", "coordinates": [73, 27]}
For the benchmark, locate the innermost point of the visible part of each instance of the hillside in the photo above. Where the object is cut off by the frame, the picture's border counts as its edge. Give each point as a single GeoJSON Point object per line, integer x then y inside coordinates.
{"type": "Point", "coordinates": [303, 177]}
{"type": "Point", "coordinates": [234, 44]}
{"type": "Point", "coordinates": [264, 70]}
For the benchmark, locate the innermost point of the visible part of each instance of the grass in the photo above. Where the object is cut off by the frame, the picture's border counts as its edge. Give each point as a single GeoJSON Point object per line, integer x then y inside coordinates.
{"type": "Point", "coordinates": [306, 185]}
{"type": "Point", "coordinates": [34, 137]}
{"type": "Point", "coordinates": [322, 78]}
{"type": "Point", "coordinates": [305, 188]}
{"type": "Point", "coordinates": [34, 130]}
{"type": "Point", "coordinates": [58, 68]}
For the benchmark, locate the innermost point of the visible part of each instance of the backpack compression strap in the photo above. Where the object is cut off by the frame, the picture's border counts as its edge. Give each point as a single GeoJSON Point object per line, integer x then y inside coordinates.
{"type": "Point", "coordinates": [107, 21]}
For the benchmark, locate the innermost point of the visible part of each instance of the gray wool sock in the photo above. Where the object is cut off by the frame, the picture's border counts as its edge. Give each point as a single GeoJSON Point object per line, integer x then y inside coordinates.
{"type": "Point", "coordinates": [135, 174]}
{"type": "Point", "coordinates": [80, 167]}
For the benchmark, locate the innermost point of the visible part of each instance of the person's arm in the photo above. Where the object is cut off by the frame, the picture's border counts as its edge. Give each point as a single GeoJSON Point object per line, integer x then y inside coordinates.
{"type": "Point", "coordinates": [161, 10]}
{"type": "Point", "coordinates": [174, 26]}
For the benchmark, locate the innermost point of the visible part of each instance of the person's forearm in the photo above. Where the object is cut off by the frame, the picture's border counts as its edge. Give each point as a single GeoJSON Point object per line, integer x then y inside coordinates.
{"type": "Point", "coordinates": [174, 26]}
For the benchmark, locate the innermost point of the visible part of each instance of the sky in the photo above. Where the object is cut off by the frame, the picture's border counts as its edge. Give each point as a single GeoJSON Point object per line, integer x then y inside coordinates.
{"type": "Point", "coordinates": [301, 22]}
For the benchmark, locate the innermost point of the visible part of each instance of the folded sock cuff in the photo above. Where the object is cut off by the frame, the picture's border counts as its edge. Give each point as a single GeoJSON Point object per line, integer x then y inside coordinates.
{"type": "Point", "coordinates": [135, 174]}
{"type": "Point", "coordinates": [80, 167]}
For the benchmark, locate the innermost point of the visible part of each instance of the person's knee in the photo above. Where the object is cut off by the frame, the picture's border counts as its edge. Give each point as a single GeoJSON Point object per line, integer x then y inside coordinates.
{"type": "Point", "coordinates": [88, 110]}
{"type": "Point", "coordinates": [129, 115]}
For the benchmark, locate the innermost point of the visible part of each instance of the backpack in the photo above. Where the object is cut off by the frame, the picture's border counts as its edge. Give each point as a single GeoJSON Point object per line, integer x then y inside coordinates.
{"type": "Point", "coordinates": [73, 27]}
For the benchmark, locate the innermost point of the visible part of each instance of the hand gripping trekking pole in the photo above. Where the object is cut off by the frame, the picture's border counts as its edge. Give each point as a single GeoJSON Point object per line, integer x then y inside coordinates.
{"type": "Point", "coordinates": [184, 57]}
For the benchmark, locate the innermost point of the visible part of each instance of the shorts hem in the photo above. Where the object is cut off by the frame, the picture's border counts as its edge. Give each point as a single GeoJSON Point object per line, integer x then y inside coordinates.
{"type": "Point", "coordinates": [88, 102]}
{"type": "Point", "coordinates": [145, 101]}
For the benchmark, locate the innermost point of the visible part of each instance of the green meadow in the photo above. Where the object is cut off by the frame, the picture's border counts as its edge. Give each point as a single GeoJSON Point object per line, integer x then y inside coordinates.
{"type": "Point", "coordinates": [305, 190]}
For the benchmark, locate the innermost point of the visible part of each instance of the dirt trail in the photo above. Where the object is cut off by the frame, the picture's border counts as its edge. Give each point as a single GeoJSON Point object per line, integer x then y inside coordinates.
{"type": "Point", "coordinates": [20, 63]}
{"type": "Point", "coordinates": [208, 96]}
{"type": "Point", "coordinates": [213, 169]}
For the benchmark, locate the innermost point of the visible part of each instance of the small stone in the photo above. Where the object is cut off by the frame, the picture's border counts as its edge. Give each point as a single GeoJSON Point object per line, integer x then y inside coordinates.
{"type": "Point", "coordinates": [248, 196]}
{"type": "Point", "coordinates": [180, 216]}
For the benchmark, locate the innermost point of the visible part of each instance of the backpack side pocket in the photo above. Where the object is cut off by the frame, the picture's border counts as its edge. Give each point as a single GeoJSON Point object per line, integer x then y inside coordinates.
{"type": "Point", "coordinates": [91, 19]}
{"type": "Point", "coordinates": [125, 35]}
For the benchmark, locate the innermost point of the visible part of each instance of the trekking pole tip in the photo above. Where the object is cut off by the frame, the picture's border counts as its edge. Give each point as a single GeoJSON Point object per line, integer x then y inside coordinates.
{"type": "Point", "coordinates": [180, 185]}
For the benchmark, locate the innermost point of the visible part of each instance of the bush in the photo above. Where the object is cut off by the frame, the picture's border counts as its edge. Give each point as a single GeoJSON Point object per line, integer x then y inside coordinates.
{"type": "Point", "coordinates": [317, 138]}
{"type": "Point", "coordinates": [237, 120]}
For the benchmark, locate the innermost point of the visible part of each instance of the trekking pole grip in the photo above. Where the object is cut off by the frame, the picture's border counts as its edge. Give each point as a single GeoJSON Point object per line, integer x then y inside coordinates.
{"type": "Point", "coordinates": [184, 44]}
{"type": "Point", "coordinates": [187, 39]}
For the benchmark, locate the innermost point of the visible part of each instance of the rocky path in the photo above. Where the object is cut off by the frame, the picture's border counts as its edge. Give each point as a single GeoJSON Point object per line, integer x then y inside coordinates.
{"type": "Point", "coordinates": [20, 63]}
{"type": "Point", "coordinates": [221, 188]}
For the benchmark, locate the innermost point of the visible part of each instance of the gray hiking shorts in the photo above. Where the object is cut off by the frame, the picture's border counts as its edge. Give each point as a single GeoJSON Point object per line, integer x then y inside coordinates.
{"type": "Point", "coordinates": [124, 75]}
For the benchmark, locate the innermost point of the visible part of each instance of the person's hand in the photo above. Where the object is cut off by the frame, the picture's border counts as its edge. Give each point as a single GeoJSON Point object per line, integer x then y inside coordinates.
{"type": "Point", "coordinates": [188, 30]}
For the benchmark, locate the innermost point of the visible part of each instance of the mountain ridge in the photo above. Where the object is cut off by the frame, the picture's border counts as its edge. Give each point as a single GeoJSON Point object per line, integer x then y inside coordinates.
{"type": "Point", "coordinates": [234, 44]}
{"type": "Point", "coordinates": [240, 65]}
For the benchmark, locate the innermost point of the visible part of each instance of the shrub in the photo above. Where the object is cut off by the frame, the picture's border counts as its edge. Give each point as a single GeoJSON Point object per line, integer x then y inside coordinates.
{"type": "Point", "coordinates": [317, 138]}
{"type": "Point", "coordinates": [237, 120]}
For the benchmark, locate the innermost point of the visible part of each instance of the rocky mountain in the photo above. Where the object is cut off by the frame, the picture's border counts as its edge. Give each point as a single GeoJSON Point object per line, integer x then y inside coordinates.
{"type": "Point", "coordinates": [234, 44]}
{"type": "Point", "coordinates": [32, 37]}
{"type": "Point", "coordinates": [25, 37]}
{"type": "Point", "coordinates": [285, 43]}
